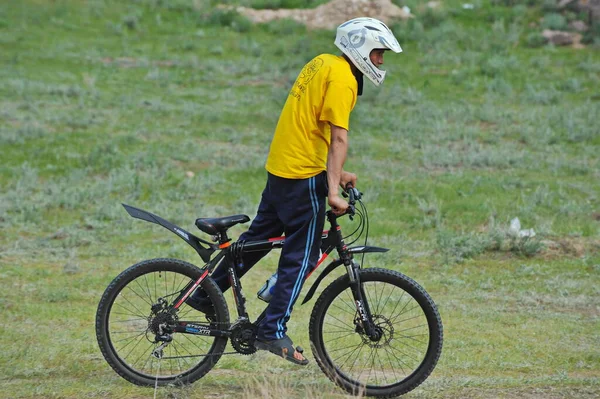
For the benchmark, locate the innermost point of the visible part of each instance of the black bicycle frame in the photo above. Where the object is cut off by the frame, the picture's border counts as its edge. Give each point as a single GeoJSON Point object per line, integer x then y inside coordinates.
{"type": "Point", "coordinates": [331, 239]}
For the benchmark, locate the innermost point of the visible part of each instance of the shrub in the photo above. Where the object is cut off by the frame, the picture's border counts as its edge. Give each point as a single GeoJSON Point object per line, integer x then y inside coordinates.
{"type": "Point", "coordinates": [554, 21]}
{"type": "Point", "coordinates": [592, 36]}
{"type": "Point", "coordinates": [535, 39]}
{"type": "Point", "coordinates": [455, 247]}
{"type": "Point", "coordinates": [500, 86]}
{"type": "Point", "coordinates": [518, 12]}
{"type": "Point", "coordinates": [411, 29]}
{"type": "Point", "coordinates": [275, 4]}
{"type": "Point", "coordinates": [250, 47]}
{"type": "Point", "coordinates": [526, 246]}
{"type": "Point", "coordinates": [181, 5]}
{"type": "Point", "coordinates": [284, 27]}
{"type": "Point", "coordinates": [572, 85]}
{"type": "Point", "coordinates": [228, 18]}
{"type": "Point", "coordinates": [538, 95]}
{"type": "Point", "coordinates": [496, 65]}
{"type": "Point", "coordinates": [549, 5]}
{"type": "Point", "coordinates": [433, 17]}
{"type": "Point", "coordinates": [131, 22]}
{"type": "Point", "coordinates": [511, 3]}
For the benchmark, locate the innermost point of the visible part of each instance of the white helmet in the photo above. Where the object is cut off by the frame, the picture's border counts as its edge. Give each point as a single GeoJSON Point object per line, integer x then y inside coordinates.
{"type": "Point", "coordinates": [358, 37]}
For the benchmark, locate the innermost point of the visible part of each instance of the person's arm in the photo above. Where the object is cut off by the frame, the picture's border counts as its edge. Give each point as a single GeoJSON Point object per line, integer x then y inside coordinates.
{"type": "Point", "coordinates": [335, 164]}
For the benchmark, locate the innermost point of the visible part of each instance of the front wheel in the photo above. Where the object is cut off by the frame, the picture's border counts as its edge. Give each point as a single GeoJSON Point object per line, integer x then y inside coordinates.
{"type": "Point", "coordinates": [409, 341]}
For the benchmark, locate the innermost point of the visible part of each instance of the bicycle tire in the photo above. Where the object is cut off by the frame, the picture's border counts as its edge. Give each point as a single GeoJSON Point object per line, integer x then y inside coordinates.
{"type": "Point", "coordinates": [124, 318]}
{"type": "Point", "coordinates": [407, 317]}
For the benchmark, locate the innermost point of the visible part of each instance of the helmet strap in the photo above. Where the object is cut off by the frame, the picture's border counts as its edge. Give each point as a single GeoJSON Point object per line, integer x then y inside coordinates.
{"type": "Point", "coordinates": [359, 79]}
{"type": "Point", "coordinates": [357, 74]}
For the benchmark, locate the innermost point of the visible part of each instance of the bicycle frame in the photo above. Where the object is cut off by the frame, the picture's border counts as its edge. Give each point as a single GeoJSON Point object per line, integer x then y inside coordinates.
{"type": "Point", "coordinates": [332, 239]}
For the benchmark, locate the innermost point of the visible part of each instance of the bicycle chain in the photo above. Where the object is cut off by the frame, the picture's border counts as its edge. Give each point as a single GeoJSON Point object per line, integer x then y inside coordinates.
{"type": "Point", "coordinates": [206, 355]}
{"type": "Point", "coordinates": [212, 324]}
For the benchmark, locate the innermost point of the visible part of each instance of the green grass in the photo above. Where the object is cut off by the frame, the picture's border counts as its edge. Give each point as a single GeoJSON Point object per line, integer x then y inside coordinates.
{"type": "Point", "coordinates": [106, 102]}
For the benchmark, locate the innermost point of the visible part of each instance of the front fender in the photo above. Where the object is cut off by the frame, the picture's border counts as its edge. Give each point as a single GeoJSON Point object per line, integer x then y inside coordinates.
{"type": "Point", "coordinates": [365, 249]}
{"type": "Point", "coordinates": [330, 267]}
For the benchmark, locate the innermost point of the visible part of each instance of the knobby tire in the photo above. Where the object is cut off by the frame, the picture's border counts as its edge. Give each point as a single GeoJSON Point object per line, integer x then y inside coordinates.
{"type": "Point", "coordinates": [410, 345]}
{"type": "Point", "coordinates": [124, 325]}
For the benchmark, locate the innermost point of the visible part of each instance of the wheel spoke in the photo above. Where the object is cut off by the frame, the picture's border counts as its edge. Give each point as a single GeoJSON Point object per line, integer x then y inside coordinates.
{"type": "Point", "coordinates": [135, 306]}
{"type": "Point", "coordinates": [131, 317]}
{"type": "Point", "coordinates": [344, 324]}
{"type": "Point", "coordinates": [387, 359]}
{"type": "Point", "coordinates": [145, 290]}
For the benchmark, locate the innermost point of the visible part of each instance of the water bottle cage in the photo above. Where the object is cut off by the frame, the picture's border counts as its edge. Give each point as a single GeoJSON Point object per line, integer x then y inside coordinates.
{"type": "Point", "coordinates": [266, 291]}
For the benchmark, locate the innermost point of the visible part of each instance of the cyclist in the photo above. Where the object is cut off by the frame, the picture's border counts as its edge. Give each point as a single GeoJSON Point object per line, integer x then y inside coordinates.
{"type": "Point", "coordinates": [305, 166]}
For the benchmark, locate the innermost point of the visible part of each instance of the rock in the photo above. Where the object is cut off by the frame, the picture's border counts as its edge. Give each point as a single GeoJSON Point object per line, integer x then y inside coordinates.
{"type": "Point", "coordinates": [515, 230]}
{"type": "Point", "coordinates": [332, 14]}
{"type": "Point", "coordinates": [560, 38]}
{"type": "Point", "coordinates": [564, 3]}
{"type": "Point", "coordinates": [592, 6]}
{"type": "Point", "coordinates": [578, 26]}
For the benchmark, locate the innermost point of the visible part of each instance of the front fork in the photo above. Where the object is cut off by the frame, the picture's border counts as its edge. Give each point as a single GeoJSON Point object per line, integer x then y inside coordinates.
{"type": "Point", "coordinates": [365, 317]}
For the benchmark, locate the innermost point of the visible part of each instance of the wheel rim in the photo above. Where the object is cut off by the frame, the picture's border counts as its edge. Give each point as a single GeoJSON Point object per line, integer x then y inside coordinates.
{"type": "Point", "coordinates": [384, 362]}
{"type": "Point", "coordinates": [132, 324]}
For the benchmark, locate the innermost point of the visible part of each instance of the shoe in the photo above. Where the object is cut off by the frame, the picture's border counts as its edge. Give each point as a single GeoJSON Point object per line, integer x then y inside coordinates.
{"type": "Point", "coordinates": [283, 347]}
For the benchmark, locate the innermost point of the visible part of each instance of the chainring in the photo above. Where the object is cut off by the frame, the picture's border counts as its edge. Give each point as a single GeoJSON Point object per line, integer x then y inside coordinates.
{"type": "Point", "coordinates": [242, 338]}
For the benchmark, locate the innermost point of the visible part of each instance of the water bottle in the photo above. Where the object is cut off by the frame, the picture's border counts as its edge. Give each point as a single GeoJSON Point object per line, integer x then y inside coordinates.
{"type": "Point", "coordinates": [266, 292]}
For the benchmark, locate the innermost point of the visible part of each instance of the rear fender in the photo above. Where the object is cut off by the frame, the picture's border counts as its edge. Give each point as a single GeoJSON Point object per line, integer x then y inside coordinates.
{"type": "Point", "coordinates": [186, 236]}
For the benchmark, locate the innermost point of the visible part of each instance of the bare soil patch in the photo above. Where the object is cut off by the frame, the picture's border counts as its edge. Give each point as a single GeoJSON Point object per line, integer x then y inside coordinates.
{"type": "Point", "coordinates": [330, 15]}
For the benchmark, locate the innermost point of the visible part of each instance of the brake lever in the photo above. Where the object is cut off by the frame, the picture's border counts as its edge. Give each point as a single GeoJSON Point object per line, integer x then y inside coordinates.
{"type": "Point", "coordinates": [351, 211]}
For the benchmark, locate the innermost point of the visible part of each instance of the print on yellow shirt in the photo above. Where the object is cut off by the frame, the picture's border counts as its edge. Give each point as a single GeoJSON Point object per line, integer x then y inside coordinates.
{"type": "Point", "coordinates": [307, 73]}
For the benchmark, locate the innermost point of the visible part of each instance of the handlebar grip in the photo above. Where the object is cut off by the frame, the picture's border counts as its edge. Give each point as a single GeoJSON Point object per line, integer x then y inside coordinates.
{"type": "Point", "coordinates": [352, 193]}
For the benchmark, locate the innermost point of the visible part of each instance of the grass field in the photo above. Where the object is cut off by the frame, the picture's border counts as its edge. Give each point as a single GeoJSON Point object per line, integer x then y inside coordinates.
{"type": "Point", "coordinates": [170, 106]}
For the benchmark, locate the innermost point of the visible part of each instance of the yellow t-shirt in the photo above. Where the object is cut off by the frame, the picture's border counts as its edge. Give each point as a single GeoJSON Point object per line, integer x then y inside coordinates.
{"type": "Point", "coordinates": [325, 91]}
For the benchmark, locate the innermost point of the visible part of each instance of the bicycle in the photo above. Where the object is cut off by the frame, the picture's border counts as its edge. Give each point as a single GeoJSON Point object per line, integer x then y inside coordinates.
{"type": "Point", "coordinates": [373, 331]}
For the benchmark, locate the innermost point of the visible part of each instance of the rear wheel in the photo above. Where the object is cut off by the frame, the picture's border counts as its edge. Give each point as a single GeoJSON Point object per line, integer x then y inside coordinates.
{"type": "Point", "coordinates": [409, 328]}
{"type": "Point", "coordinates": [137, 305]}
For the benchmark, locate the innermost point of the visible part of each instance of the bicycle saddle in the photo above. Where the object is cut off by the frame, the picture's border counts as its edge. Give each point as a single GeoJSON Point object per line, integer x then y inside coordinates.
{"type": "Point", "coordinates": [214, 226]}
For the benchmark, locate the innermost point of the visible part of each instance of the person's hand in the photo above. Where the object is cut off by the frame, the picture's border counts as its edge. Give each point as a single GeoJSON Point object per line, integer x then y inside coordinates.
{"type": "Point", "coordinates": [338, 204]}
{"type": "Point", "coordinates": [346, 178]}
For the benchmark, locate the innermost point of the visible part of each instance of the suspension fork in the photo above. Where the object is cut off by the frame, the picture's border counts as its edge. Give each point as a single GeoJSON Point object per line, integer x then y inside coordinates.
{"type": "Point", "coordinates": [362, 307]}
{"type": "Point", "coordinates": [353, 269]}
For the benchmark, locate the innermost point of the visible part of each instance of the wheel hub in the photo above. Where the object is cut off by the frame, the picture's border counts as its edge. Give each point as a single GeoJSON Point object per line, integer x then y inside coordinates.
{"type": "Point", "coordinates": [384, 332]}
{"type": "Point", "coordinates": [160, 322]}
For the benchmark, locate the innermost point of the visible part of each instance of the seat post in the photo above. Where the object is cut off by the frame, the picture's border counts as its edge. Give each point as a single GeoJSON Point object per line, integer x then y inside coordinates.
{"type": "Point", "coordinates": [223, 238]}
